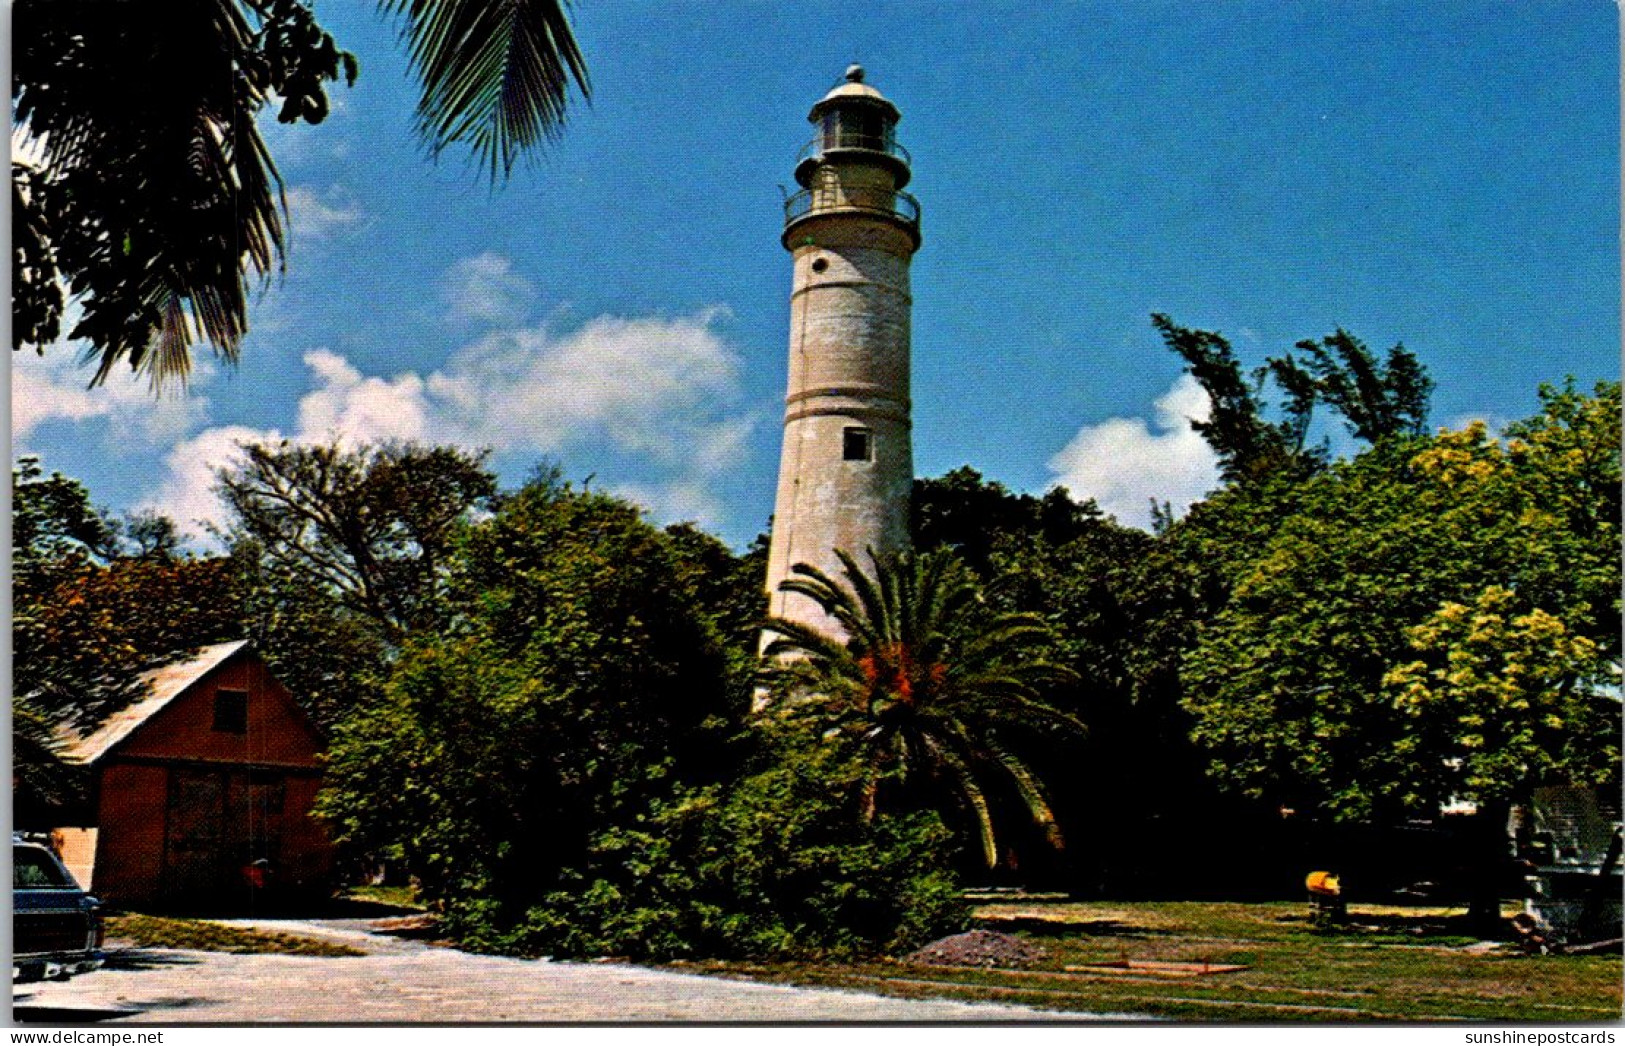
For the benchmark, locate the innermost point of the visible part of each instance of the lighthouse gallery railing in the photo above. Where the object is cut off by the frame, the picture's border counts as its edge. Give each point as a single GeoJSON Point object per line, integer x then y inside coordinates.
{"type": "Point", "coordinates": [834, 141]}
{"type": "Point", "coordinates": [826, 198]}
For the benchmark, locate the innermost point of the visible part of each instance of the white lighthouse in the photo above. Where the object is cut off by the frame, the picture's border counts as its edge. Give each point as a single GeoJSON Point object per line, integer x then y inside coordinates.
{"type": "Point", "coordinates": [847, 467]}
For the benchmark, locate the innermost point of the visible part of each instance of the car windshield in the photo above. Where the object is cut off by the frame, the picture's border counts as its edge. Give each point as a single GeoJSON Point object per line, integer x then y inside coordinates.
{"type": "Point", "coordinates": [33, 867]}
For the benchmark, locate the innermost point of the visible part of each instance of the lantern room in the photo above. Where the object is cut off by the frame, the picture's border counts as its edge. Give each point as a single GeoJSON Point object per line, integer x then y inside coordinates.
{"type": "Point", "coordinates": [855, 122]}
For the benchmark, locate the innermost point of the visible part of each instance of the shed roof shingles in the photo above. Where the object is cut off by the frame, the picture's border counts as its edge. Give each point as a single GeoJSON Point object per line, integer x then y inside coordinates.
{"type": "Point", "coordinates": [164, 684]}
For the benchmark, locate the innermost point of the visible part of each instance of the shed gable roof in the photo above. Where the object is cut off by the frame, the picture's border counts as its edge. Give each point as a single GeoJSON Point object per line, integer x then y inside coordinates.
{"type": "Point", "coordinates": [165, 683]}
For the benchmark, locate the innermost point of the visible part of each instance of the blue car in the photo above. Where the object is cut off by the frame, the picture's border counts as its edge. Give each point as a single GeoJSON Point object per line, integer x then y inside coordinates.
{"type": "Point", "coordinates": [56, 928]}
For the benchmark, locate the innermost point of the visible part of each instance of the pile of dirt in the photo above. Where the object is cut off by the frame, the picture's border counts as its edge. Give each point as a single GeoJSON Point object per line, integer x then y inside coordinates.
{"type": "Point", "coordinates": [983, 948]}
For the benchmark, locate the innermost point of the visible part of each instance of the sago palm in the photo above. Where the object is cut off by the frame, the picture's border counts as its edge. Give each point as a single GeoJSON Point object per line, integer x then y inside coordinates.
{"type": "Point", "coordinates": [929, 682]}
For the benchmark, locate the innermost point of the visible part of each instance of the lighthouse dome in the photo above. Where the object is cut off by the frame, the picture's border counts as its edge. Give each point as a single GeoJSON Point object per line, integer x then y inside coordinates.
{"type": "Point", "coordinates": [853, 91]}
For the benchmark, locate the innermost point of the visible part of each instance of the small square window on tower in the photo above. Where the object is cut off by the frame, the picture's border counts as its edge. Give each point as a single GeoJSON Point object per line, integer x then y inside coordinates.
{"type": "Point", "coordinates": [857, 445]}
{"type": "Point", "coordinates": [231, 711]}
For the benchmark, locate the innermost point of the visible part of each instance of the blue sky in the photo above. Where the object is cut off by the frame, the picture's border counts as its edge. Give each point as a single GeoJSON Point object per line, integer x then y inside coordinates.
{"type": "Point", "coordinates": [1441, 174]}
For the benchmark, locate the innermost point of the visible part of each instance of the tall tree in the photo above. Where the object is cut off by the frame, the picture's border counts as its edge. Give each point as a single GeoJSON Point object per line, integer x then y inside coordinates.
{"type": "Point", "coordinates": [1249, 446]}
{"type": "Point", "coordinates": [935, 687]}
{"type": "Point", "coordinates": [373, 525]}
{"type": "Point", "coordinates": [1377, 399]}
{"type": "Point", "coordinates": [332, 659]}
{"type": "Point", "coordinates": [963, 511]}
{"type": "Point", "coordinates": [575, 683]}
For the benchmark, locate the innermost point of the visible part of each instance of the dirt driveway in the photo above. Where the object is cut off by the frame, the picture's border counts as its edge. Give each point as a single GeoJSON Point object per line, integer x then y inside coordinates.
{"type": "Point", "coordinates": [402, 981]}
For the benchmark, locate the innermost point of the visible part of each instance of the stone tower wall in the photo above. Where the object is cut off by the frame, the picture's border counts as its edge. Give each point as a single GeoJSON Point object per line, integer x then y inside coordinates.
{"type": "Point", "coordinates": [849, 368]}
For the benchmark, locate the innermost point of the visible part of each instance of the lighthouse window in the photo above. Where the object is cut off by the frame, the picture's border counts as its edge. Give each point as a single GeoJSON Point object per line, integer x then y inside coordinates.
{"type": "Point", "coordinates": [857, 445]}
{"type": "Point", "coordinates": [820, 265]}
{"type": "Point", "coordinates": [854, 129]}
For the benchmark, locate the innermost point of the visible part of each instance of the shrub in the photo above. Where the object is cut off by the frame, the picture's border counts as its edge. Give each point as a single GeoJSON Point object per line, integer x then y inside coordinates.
{"type": "Point", "coordinates": [778, 866]}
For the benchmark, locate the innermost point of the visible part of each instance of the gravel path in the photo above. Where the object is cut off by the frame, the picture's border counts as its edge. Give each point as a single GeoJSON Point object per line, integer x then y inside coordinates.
{"type": "Point", "coordinates": [402, 981]}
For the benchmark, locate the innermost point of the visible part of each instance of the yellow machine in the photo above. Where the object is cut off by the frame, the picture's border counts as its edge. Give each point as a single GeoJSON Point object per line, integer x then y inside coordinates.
{"type": "Point", "coordinates": [1326, 905]}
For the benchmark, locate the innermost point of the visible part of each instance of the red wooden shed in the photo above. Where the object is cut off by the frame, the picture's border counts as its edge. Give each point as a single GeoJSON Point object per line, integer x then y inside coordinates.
{"type": "Point", "coordinates": [202, 790]}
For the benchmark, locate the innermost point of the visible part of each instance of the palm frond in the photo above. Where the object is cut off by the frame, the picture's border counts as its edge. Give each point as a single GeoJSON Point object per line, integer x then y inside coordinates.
{"type": "Point", "coordinates": [793, 637]}
{"type": "Point", "coordinates": [832, 598]}
{"type": "Point", "coordinates": [497, 76]}
{"type": "Point", "coordinates": [1008, 701]}
{"type": "Point", "coordinates": [971, 792]}
{"type": "Point", "coordinates": [1032, 794]}
{"type": "Point", "coordinates": [875, 623]}
{"type": "Point", "coordinates": [933, 587]}
{"type": "Point", "coordinates": [903, 589]}
{"type": "Point", "coordinates": [925, 677]}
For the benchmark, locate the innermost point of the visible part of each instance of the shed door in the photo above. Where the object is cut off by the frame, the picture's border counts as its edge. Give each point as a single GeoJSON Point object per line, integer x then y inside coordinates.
{"type": "Point", "coordinates": [218, 822]}
{"type": "Point", "coordinates": [196, 863]}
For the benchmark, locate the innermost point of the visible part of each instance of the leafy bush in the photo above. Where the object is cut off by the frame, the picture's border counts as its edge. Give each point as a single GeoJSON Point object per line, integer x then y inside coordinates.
{"type": "Point", "coordinates": [781, 865]}
{"type": "Point", "coordinates": [809, 874]}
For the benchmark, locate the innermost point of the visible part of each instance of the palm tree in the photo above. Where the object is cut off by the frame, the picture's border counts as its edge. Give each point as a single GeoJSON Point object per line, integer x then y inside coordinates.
{"type": "Point", "coordinates": [495, 75]}
{"type": "Point", "coordinates": [151, 196]}
{"type": "Point", "coordinates": [929, 682]}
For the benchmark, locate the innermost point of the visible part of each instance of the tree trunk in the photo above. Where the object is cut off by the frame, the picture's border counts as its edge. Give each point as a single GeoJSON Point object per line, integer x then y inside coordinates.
{"type": "Point", "coordinates": [1488, 849]}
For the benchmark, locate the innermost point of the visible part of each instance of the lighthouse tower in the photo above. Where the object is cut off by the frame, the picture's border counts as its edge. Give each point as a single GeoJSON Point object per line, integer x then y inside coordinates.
{"type": "Point", "coordinates": [846, 468]}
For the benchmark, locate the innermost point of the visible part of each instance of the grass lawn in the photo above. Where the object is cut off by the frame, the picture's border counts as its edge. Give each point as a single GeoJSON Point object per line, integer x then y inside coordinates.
{"type": "Point", "coordinates": [152, 931]}
{"type": "Point", "coordinates": [1389, 964]}
{"type": "Point", "coordinates": [396, 896]}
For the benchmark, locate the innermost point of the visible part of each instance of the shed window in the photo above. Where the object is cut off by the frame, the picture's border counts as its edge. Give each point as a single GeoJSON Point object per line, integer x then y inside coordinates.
{"type": "Point", "coordinates": [231, 711]}
{"type": "Point", "coordinates": [857, 445]}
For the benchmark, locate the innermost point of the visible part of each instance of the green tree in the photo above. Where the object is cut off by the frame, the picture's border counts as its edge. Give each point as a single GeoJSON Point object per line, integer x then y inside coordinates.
{"type": "Point", "coordinates": [1502, 701]}
{"type": "Point", "coordinates": [936, 687]}
{"type": "Point", "coordinates": [963, 511]}
{"type": "Point", "coordinates": [53, 521]}
{"type": "Point", "coordinates": [575, 682]}
{"type": "Point", "coordinates": [1249, 446]}
{"type": "Point", "coordinates": [731, 592]}
{"type": "Point", "coordinates": [1377, 399]}
{"type": "Point", "coordinates": [157, 208]}
{"type": "Point", "coordinates": [372, 526]}
{"type": "Point", "coordinates": [331, 658]}
{"type": "Point", "coordinates": [779, 864]}
{"type": "Point", "coordinates": [1317, 685]}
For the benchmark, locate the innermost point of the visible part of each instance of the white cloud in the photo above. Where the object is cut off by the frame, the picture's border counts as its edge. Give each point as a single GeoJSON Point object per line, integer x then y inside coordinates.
{"type": "Point", "coordinates": [648, 386]}
{"type": "Point", "coordinates": [657, 389]}
{"type": "Point", "coordinates": [350, 407]}
{"type": "Point", "coordinates": [187, 492]}
{"type": "Point", "coordinates": [485, 289]}
{"type": "Point", "coordinates": [54, 387]}
{"type": "Point", "coordinates": [313, 216]}
{"type": "Point", "coordinates": [1124, 463]}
